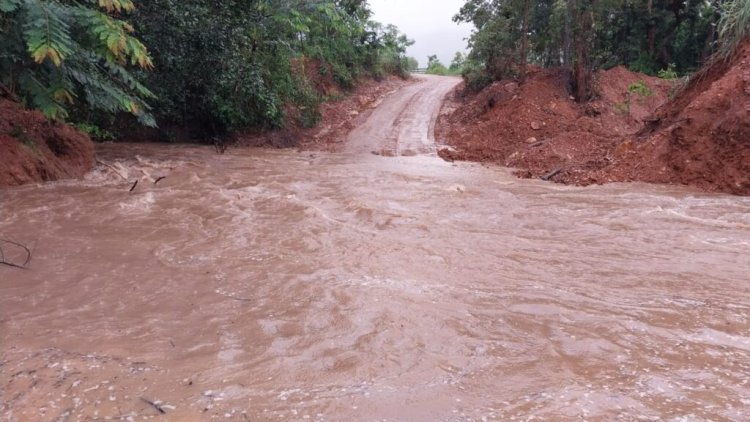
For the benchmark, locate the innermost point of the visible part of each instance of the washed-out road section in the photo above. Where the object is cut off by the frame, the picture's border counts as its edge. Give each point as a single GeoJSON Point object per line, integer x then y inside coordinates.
{"type": "Point", "coordinates": [282, 285]}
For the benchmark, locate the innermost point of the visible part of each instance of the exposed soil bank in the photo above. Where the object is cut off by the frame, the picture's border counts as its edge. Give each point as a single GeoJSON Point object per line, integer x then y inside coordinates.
{"type": "Point", "coordinates": [33, 149]}
{"type": "Point", "coordinates": [702, 138]}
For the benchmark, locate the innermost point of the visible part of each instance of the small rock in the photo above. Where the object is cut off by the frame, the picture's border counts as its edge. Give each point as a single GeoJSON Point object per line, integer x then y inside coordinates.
{"type": "Point", "coordinates": [531, 140]}
{"type": "Point", "coordinates": [536, 125]}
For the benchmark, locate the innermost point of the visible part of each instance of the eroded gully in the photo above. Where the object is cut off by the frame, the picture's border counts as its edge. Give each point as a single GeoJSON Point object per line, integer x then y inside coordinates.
{"type": "Point", "coordinates": [279, 285]}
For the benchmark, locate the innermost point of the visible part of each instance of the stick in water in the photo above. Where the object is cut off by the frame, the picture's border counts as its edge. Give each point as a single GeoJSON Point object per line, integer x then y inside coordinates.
{"type": "Point", "coordinates": [11, 264]}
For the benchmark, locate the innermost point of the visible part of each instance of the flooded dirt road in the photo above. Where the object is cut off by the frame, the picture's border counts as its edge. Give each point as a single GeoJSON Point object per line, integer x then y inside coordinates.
{"type": "Point", "coordinates": [278, 285]}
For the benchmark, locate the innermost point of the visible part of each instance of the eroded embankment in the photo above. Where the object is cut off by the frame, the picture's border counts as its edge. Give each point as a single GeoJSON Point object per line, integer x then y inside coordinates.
{"type": "Point", "coordinates": [33, 149]}
{"type": "Point", "coordinates": [701, 138]}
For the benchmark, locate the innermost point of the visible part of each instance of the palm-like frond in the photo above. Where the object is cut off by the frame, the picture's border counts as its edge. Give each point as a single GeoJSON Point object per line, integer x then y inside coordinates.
{"type": "Point", "coordinates": [73, 49]}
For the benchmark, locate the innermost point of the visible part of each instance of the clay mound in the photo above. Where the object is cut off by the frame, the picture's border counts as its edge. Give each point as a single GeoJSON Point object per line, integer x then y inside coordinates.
{"type": "Point", "coordinates": [33, 149]}
{"type": "Point", "coordinates": [540, 130]}
{"type": "Point", "coordinates": [630, 95]}
{"type": "Point", "coordinates": [702, 138]}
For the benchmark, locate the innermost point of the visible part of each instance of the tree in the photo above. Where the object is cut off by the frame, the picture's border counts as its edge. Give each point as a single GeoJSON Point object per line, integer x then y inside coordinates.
{"type": "Point", "coordinates": [584, 35]}
{"type": "Point", "coordinates": [457, 65]}
{"type": "Point", "coordinates": [435, 67]}
{"type": "Point", "coordinates": [412, 64]}
{"type": "Point", "coordinates": [62, 54]}
{"type": "Point", "coordinates": [227, 65]}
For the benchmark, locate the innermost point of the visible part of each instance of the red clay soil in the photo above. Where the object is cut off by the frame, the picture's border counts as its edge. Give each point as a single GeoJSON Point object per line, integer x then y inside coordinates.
{"type": "Point", "coordinates": [338, 117]}
{"type": "Point", "coordinates": [33, 149]}
{"type": "Point", "coordinates": [700, 139]}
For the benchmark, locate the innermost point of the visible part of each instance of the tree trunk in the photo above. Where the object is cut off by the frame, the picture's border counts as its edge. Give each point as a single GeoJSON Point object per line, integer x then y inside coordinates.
{"type": "Point", "coordinates": [525, 41]}
{"type": "Point", "coordinates": [584, 25]}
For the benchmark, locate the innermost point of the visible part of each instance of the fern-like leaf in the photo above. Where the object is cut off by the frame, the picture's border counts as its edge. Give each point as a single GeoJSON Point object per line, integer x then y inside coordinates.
{"type": "Point", "coordinates": [9, 6]}
{"type": "Point", "coordinates": [117, 5]}
{"type": "Point", "coordinates": [47, 31]}
{"type": "Point", "coordinates": [115, 38]}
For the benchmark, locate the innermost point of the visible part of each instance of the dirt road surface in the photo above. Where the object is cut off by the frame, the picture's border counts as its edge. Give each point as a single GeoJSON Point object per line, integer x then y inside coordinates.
{"type": "Point", "coordinates": [404, 123]}
{"type": "Point", "coordinates": [278, 285]}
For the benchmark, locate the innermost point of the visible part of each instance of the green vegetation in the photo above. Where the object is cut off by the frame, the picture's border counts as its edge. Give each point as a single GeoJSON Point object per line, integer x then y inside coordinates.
{"type": "Point", "coordinates": [734, 25]}
{"type": "Point", "coordinates": [640, 88]}
{"type": "Point", "coordinates": [669, 73]}
{"type": "Point", "coordinates": [210, 66]}
{"type": "Point", "coordinates": [222, 66]}
{"type": "Point", "coordinates": [436, 67]}
{"type": "Point", "coordinates": [671, 36]}
{"type": "Point", "coordinates": [95, 132]}
{"type": "Point", "coordinates": [58, 55]}
{"type": "Point", "coordinates": [458, 63]}
{"type": "Point", "coordinates": [412, 64]}
{"type": "Point", "coordinates": [623, 107]}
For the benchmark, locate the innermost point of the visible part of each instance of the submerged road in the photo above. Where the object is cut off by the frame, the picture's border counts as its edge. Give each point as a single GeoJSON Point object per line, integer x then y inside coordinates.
{"type": "Point", "coordinates": [276, 285]}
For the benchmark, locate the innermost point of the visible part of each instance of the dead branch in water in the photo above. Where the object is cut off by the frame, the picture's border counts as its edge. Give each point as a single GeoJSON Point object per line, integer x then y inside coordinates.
{"type": "Point", "coordinates": [111, 168]}
{"type": "Point", "coordinates": [155, 405]}
{"type": "Point", "coordinates": [121, 176]}
{"type": "Point", "coordinates": [18, 245]}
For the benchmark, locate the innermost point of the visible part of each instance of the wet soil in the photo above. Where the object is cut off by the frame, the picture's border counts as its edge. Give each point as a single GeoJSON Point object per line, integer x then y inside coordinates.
{"type": "Point", "coordinates": [702, 138]}
{"type": "Point", "coordinates": [33, 149]}
{"type": "Point", "coordinates": [539, 130]}
{"type": "Point", "coordinates": [266, 284]}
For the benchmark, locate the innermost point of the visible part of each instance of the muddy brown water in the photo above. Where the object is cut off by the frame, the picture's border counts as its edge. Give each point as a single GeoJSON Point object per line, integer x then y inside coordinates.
{"type": "Point", "coordinates": [283, 285]}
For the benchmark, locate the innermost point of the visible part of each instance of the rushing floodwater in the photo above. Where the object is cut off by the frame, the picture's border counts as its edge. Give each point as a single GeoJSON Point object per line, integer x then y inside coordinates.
{"type": "Point", "coordinates": [275, 285]}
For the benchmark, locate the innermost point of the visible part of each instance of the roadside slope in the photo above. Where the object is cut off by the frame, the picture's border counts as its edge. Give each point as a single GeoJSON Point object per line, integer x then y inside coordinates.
{"type": "Point", "coordinates": [700, 141]}
{"type": "Point", "coordinates": [33, 149]}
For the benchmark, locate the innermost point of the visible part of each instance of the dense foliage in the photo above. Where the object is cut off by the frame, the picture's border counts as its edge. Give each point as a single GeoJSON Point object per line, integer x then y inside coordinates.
{"type": "Point", "coordinates": [436, 67]}
{"type": "Point", "coordinates": [581, 35]}
{"type": "Point", "coordinates": [56, 55]}
{"type": "Point", "coordinates": [212, 66]}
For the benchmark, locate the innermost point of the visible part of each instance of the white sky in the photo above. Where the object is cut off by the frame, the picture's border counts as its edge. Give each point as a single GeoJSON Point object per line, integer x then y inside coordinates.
{"type": "Point", "coordinates": [429, 23]}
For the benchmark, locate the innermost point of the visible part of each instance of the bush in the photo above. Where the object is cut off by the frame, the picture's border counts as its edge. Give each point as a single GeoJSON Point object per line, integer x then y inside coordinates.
{"type": "Point", "coordinates": [476, 76]}
{"type": "Point", "coordinates": [668, 73]}
{"type": "Point", "coordinates": [640, 88]}
{"type": "Point", "coordinates": [95, 132]}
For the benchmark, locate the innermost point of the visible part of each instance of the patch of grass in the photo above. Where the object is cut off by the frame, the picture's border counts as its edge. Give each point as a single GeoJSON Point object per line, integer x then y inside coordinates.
{"type": "Point", "coordinates": [623, 107]}
{"type": "Point", "coordinates": [734, 26]}
{"type": "Point", "coordinates": [669, 73]}
{"type": "Point", "coordinates": [641, 89]}
{"type": "Point", "coordinates": [95, 132]}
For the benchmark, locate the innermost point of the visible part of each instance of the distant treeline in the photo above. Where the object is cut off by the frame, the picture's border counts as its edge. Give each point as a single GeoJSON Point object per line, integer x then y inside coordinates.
{"type": "Point", "coordinates": [673, 37]}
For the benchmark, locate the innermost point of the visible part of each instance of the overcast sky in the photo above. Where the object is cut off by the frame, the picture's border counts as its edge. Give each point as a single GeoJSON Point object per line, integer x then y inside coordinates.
{"type": "Point", "coordinates": [429, 23]}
